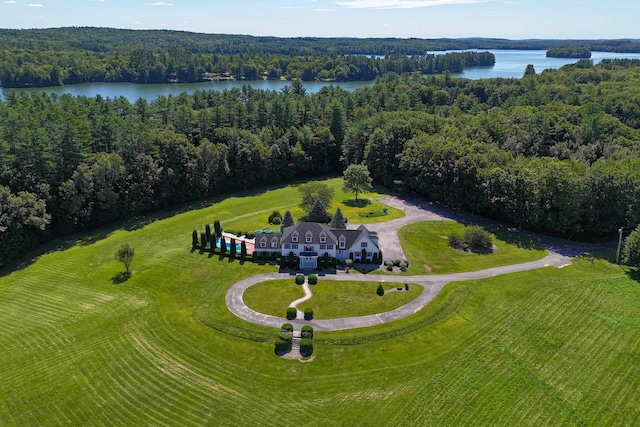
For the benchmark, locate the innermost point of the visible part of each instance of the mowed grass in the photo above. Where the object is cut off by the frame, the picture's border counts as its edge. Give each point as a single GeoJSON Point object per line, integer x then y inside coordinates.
{"type": "Point", "coordinates": [426, 246]}
{"type": "Point", "coordinates": [546, 347]}
{"type": "Point", "coordinates": [331, 299]}
{"type": "Point", "coordinates": [273, 296]}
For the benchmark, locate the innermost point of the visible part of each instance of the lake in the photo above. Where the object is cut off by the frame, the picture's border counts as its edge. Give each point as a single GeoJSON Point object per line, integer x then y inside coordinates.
{"type": "Point", "coordinates": [509, 63]}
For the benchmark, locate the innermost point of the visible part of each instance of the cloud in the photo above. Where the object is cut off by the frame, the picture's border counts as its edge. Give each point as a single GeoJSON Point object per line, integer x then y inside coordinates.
{"type": "Point", "coordinates": [10, 2]}
{"type": "Point", "coordinates": [161, 3]}
{"type": "Point", "coordinates": [34, 5]}
{"type": "Point", "coordinates": [402, 4]}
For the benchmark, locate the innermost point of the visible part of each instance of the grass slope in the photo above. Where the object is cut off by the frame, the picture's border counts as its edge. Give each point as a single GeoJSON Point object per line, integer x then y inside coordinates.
{"type": "Point", "coordinates": [544, 347]}
{"type": "Point", "coordinates": [426, 246]}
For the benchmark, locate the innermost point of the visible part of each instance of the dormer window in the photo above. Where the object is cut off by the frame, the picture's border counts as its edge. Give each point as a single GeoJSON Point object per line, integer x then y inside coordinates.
{"type": "Point", "coordinates": [309, 239]}
{"type": "Point", "coordinates": [274, 243]}
{"type": "Point", "coordinates": [342, 243]}
{"type": "Point", "coordinates": [323, 238]}
{"type": "Point", "coordinates": [294, 238]}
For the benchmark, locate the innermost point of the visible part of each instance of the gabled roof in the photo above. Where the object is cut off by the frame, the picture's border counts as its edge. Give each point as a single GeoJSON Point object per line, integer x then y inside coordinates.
{"type": "Point", "coordinates": [303, 228]}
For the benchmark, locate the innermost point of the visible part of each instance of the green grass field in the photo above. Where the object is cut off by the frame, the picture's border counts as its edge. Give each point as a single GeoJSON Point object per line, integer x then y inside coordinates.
{"type": "Point", "coordinates": [330, 299]}
{"type": "Point", "coordinates": [546, 347]}
{"type": "Point", "coordinates": [426, 246]}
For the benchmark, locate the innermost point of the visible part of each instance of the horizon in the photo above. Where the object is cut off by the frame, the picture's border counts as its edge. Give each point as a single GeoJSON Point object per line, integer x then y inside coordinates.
{"type": "Point", "coordinates": [423, 19]}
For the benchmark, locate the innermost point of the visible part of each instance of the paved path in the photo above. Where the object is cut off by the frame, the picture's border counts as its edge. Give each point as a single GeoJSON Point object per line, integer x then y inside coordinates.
{"type": "Point", "coordinates": [416, 210]}
{"type": "Point", "coordinates": [307, 296]}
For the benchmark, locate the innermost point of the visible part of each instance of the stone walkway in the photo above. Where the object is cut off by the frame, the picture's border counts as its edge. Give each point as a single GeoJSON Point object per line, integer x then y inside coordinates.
{"type": "Point", "coordinates": [390, 246]}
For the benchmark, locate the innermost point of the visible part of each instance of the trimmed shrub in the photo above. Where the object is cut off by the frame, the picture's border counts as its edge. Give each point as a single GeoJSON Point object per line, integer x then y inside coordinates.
{"type": "Point", "coordinates": [287, 327]}
{"type": "Point", "coordinates": [194, 238]}
{"type": "Point", "coordinates": [404, 264]}
{"type": "Point", "coordinates": [232, 248]}
{"type": "Point", "coordinates": [299, 279]}
{"type": "Point", "coordinates": [397, 263]}
{"type": "Point", "coordinates": [243, 250]}
{"type": "Point", "coordinates": [335, 263]}
{"type": "Point", "coordinates": [406, 286]}
{"type": "Point", "coordinates": [273, 216]}
{"type": "Point", "coordinates": [375, 258]}
{"type": "Point", "coordinates": [217, 228]}
{"type": "Point", "coordinates": [282, 345]}
{"type": "Point", "coordinates": [308, 313]}
{"type": "Point", "coordinates": [276, 221]}
{"type": "Point", "coordinates": [292, 313]}
{"type": "Point", "coordinates": [388, 263]}
{"type": "Point", "coordinates": [363, 256]}
{"type": "Point", "coordinates": [203, 240]}
{"type": "Point", "coordinates": [390, 268]}
{"type": "Point", "coordinates": [306, 346]}
{"type": "Point", "coordinates": [223, 245]}
{"type": "Point", "coordinates": [351, 256]}
{"type": "Point", "coordinates": [380, 290]}
{"type": "Point", "coordinates": [312, 279]}
{"type": "Point", "coordinates": [307, 329]}
{"type": "Point", "coordinates": [403, 269]}
{"type": "Point", "coordinates": [207, 232]}
{"type": "Point", "coordinates": [380, 257]}
{"type": "Point", "coordinates": [250, 235]}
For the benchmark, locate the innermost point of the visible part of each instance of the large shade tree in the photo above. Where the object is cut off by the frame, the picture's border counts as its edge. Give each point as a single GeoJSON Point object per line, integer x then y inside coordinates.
{"type": "Point", "coordinates": [631, 251]}
{"type": "Point", "coordinates": [357, 179]}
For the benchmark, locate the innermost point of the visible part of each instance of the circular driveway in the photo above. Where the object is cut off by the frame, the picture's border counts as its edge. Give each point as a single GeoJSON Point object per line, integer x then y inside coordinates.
{"type": "Point", "coordinates": [390, 246]}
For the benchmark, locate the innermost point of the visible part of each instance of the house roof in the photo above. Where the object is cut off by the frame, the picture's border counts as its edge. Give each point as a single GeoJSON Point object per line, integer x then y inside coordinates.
{"type": "Point", "coordinates": [304, 228]}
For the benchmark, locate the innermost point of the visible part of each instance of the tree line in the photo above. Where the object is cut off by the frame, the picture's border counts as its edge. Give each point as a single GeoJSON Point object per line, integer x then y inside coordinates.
{"type": "Point", "coordinates": [41, 68]}
{"type": "Point", "coordinates": [569, 52]}
{"type": "Point", "coordinates": [555, 152]}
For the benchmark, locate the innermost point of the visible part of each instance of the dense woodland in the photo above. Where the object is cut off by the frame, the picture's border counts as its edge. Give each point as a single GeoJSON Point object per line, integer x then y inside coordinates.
{"type": "Point", "coordinates": [556, 152]}
{"type": "Point", "coordinates": [57, 56]}
{"type": "Point", "coordinates": [569, 52]}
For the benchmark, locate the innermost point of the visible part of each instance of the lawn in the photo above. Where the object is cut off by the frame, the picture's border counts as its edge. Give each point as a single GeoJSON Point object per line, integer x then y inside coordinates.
{"type": "Point", "coordinates": [331, 299]}
{"type": "Point", "coordinates": [545, 347]}
{"type": "Point", "coordinates": [426, 247]}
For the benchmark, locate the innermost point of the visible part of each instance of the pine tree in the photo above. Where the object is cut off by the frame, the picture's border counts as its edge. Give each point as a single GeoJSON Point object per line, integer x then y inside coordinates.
{"type": "Point", "coordinates": [217, 228]}
{"type": "Point", "coordinates": [338, 222]}
{"type": "Point", "coordinates": [317, 212]}
{"type": "Point", "coordinates": [203, 241]}
{"type": "Point", "coordinates": [287, 219]}
{"type": "Point", "coordinates": [232, 248]}
{"type": "Point", "coordinates": [194, 238]}
{"type": "Point", "coordinates": [380, 290]}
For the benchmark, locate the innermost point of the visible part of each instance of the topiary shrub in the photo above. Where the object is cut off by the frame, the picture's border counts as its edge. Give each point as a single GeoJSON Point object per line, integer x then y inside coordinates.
{"type": "Point", "coordinates": [282, 345]}
{"type": "Point", "coordinates": [250, 235]}
{"type": "Point", "coordinates": [273, 216]}
{"type": "Point", "coordinates": [403, 269]}
{"type": "Point", "coordinates": [312, 279]}
{"type": "Point", "coordinates": [276, 221]}
{"type": "Point", "coordinates": [299, 279]}
{"type": "Point", "coordinates": [375, 258]}
{"type": "Point", "coordinates": [406, 286]}
{"type": "Point", "coordinates": [404, 264]}
{"type": "Point", "coordinates": [397, 263]}
{"type": "Point", "coordinates": [306, 332]}
{"type": "Point", "coordinates": [388, 263]}
{"type": "Point", "coordinates": [390, 268]}
{"type": "Point", "coordinates": [308, 313]}
{"type": "Point", "coordinates": [292, 313]}
{"type": "Point", "coordinates": [380, 290]}
{"type": "Point", "coordinates": [287, 327]}
{"type": "Point", "coordinates": [306, 346]}
{"type": "Point", "coordinates": [380, 257]}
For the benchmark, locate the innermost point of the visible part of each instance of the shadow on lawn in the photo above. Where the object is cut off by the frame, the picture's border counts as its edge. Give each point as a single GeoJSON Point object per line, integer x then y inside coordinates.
{"type": "Point", "coordinates": [120, 278]}
{"type": "Point", "coordinates": [360, 203]}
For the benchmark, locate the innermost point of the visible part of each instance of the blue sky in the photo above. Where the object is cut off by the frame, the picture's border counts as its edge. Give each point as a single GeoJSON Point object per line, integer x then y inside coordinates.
{"type": "Point", "coordinates": [514, 19]}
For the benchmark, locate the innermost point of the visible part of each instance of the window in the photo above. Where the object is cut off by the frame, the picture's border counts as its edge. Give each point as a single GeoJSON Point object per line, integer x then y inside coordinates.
{"type": "Point", "coordinates": [323, 247]}
{"type": "Point", "coordinates": [329, 246]}
{"type": "Point", "coordinates": [363, 244]}
{"type": "Point", "coordinates": [323, 239]}
{"type": "Point", "coordinates": [263, 244]}
{"type": "Point", "coordinates": [287, 246]}
{"type": "Point", "coordinates": [274, 244]}
{"type": "Point", "coordinates": [294, 238]}
{"type": "Point", "coordinates": [369, 254]}
{"type": "Point", "coordinates": [309, 239]}
{"type": "Point", "coordinates": [342, 244]}
{"type": "Point", "coordinates": [294, 246]}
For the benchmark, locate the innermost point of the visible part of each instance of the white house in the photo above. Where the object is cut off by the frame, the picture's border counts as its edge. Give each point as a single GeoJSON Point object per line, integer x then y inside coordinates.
{"type": "Point", "coordinates": [310, 240]}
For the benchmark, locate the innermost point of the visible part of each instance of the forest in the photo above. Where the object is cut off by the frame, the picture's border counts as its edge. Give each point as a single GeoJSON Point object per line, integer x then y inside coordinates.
{"type": "Point", "coordinates": [555, 152]}
{"type": "Point", "coordinates": [569, 52]}
{"type": "Point", "coordinates": [58, 56]}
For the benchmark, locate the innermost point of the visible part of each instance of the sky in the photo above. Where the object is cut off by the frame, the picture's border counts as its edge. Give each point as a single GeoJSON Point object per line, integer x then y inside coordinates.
{"type": "Point", "coordinates": [512, 19]}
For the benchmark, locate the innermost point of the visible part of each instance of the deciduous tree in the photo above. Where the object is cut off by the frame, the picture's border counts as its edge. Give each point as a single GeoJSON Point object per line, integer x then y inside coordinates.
{"type": "Point", "coordinates": [357, 179]}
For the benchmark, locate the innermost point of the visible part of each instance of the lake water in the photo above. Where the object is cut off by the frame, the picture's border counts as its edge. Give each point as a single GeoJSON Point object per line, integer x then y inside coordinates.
{"type": "Point", "coordinates": [509, 63]}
